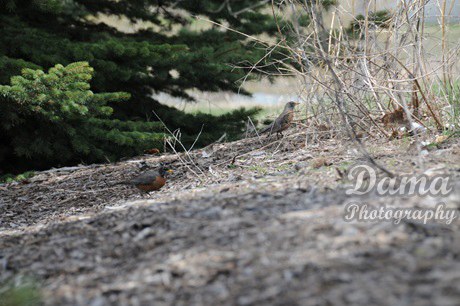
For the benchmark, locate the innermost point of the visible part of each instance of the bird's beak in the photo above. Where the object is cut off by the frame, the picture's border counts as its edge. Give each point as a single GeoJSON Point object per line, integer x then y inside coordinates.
{"type": "Point", "coordinates": [296, 103]}
{"type": "Point", "coordinates": [169, 170]}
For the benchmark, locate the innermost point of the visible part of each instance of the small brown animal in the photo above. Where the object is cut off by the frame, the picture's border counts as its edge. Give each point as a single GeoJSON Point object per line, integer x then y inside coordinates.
{"type": "Point", "coordinates": [149, 180]}
{"type": "Point", "coordinates": [283, 121]}
{"type": "Point", "coordinates": [394, 119]}
{"type": "Point", "coordinates": [152, 151]}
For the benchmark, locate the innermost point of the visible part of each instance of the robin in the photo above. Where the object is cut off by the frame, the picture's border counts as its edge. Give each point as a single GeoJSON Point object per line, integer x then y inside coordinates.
{"type": "Point", "coordinates": [283, 121]}
{"type": "Point", "coordinates": [149, 180]}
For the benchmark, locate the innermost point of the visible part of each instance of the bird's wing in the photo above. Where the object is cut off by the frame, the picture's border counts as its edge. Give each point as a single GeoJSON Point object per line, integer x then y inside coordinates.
{"type": "Point", "coordinates": [282, 120]}
{"type": "Point", "coordinates": [143, 178]}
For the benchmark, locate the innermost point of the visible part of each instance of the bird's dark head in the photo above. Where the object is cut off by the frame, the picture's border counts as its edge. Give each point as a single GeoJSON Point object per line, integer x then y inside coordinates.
{"type": "Point", "coordinates": [290, 105]}
{"type": "Point", "coordinates": [164, 169]}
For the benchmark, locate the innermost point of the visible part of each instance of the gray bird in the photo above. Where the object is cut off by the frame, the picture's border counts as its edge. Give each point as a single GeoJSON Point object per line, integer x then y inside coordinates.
{"type": "Point", "coordinates": [283, 121]}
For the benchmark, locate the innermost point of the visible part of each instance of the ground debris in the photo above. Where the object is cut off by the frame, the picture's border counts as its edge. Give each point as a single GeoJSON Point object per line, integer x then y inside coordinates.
{"type": "Point", "coordinates": [255, 229]}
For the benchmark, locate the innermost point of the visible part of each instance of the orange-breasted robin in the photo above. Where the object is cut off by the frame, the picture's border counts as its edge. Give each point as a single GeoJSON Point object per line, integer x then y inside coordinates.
{"type": "Point", "coordinates": [149, 180]}
{"type": "Point", "coordinates": [283, 121]}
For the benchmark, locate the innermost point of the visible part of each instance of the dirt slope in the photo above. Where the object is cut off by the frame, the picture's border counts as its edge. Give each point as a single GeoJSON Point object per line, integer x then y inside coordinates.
{"type": "Point", "coordinates": [264, 227]}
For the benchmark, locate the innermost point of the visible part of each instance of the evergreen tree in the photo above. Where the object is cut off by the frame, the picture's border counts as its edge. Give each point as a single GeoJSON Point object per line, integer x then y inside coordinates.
{"type": "Point", "coordinates": [168, 57]}
{"type": "Point", "coordinates": [54, 118]}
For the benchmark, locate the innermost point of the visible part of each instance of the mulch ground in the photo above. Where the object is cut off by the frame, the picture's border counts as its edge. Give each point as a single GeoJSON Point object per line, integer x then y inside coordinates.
{"type": "Point", "coordinates": [242, 223]}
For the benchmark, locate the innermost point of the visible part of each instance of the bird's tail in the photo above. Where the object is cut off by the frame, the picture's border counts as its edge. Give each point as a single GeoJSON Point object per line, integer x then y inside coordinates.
{"type": "Point", "coordinates": [266, 129]}
{"type": "Point", "coordinates": [120, 183]}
